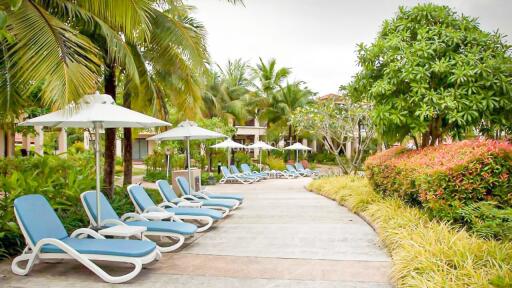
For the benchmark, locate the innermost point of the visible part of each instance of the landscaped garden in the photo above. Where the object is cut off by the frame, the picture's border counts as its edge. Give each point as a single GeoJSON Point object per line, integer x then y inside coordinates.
{"type": "Point", "coordinates": [418, 144]}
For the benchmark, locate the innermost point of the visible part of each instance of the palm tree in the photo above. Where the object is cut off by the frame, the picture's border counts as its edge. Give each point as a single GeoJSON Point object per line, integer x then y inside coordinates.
{"type": "Point", "coordinates": [284, 102]}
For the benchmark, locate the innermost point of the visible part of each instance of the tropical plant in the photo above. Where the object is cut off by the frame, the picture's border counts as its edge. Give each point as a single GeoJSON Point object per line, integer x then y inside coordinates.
{"type": "Point", "coordinates": [432, 72]}
{"type": "Point", "coordinates": [338, 124]}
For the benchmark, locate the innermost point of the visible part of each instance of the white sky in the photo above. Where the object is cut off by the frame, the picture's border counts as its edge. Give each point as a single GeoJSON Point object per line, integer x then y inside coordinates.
{"type": "Point", "coordinates": [316, 38]}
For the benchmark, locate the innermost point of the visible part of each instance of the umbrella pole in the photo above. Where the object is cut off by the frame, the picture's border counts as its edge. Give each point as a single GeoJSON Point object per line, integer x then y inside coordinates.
{"type": "Point", "coordinates": [261, 152]}
{"type": "Point", "coordinates": [297, 156]}
{"type": "Point", "coordinates": [229, 157]}
{"type": "Point", "coordinates": [188, 165]}
{"type": "Point", "coordinates": [98, 176]}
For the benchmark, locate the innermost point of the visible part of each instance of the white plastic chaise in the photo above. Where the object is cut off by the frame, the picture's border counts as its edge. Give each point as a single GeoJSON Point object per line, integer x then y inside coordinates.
{"type": "Point", "coordinates": [171, 227]}
{"type": "Point", "coordinates": [47, 239]}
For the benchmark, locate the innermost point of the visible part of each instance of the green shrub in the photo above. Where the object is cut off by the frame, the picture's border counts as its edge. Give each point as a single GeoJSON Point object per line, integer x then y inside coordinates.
{"type": "Point", "coordinates": [425, 252]}
{"type": "Point", "coordinates": [322, 158]}
{"type": "Point", "coordinates": [448, 178]}
{"type": "Point", "coordinates": [275, 163]}
{"type": "Point", "coordinates": [242, 157]}
{"type": "Point", "coordinates": [154, 175]}
{"type": "Point", "coordinates": [60, 180]}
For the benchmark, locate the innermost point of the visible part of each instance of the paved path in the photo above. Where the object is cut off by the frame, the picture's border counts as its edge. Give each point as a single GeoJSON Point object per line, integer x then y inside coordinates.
{"type": "Point", "coordinates": [283, 236]}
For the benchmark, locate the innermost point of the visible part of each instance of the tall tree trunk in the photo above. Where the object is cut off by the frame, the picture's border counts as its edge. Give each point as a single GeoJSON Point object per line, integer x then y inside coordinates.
{"type": "Point", "coordinates": [110, 134]}
{"type": "Point", "coordinates": [127, 144]}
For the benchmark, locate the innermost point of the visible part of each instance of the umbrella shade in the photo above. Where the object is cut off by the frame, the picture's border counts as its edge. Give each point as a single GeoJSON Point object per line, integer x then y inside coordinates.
{"type": "Point", "coordinates": [187, 130]}
{"type": "Point", "coordinates": [297, 146]}
{"type": "Point", "coordinates": [261, 145]}
{"type": "Point", "coordinates": [97, 108]}
{"type": "Point", "coordinates": [228, 143]}
{"type": "Point", "coordinates": [95, 111]}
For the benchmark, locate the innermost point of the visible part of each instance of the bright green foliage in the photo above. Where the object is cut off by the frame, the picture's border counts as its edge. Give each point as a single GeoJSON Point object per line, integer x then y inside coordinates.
{"type": "Point", "coordinates": [60, 180]}
{"type": "Point", "coordinates": [467, 183]}
{"type": "Point", "coordinates": [433, 72]}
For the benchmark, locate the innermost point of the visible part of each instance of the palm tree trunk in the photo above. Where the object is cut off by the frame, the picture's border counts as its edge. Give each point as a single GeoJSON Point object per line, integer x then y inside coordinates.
{"type": "Point", "coordinates": [127, 144]}
{"type": "Point", "coordinates": [110, 134]}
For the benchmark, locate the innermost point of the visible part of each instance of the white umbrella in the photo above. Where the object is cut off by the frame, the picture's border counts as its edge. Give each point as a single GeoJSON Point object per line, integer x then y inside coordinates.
{"type": "Point", "coordinates": [229, 144]}
{"type": "Point", "coordinates": [97, 111]}
{"type": "Point", "coordinates": [187, 130]}
{"type": "Point", "coordinates": [297, 146]}
{"type": "Point", "coordinates": [262, 146]}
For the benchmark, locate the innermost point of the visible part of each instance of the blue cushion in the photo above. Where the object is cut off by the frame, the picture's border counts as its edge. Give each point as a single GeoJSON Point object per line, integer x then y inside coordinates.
{"type": "Point", "coordinates": [38, 218]}
{"type": "Point", "coordinates": [166, 226]}
{"type": "Point", "coordinates": [107, 212]}
{"type": "Point", "coordinates": [114, 247]}
{"type": "Point", "coordinates": [216, 215]}
{"type": "Point", "coordinates": [183, 184]}
{"type": "Point", "coordinates": [141, 197]}
{"type": "Point", "coordinates": [227, 196]}
{"type": "Point", "coordinates": [225, 171]}
{"type": "Point", "coordinates": [221, 203]}
{"type": "Point", "coordinates": [234, 169]}
{"type": "Point", "coordinates": [168, 193]}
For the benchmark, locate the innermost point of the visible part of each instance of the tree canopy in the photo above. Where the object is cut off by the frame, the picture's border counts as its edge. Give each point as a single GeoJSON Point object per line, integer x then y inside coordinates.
{"type": "Point", "coordinates": [432, 72]}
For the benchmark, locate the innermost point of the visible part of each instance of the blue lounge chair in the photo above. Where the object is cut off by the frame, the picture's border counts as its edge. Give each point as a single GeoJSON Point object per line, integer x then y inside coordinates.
{"type": "Point", "coordinates": [174, 229]}
{"type": "Point", "coordinates": [235, 171]}
{"type": "Point", "coordinates": [183, 209]}
{"type": "Point", "coordinates": [247, 171]}
{"type": "Point", "coordinates": [300, 168]}
{"type": "Point", "coordinates": [47, 238]}
{"type": "Point", "coordinates": [227, 176]}
{"type": "Point", "coordinates": [292, 171]}
{"type": "Point", "coordinates": [144, 204]}
{"type": "Point", "coordinates": [230, 201]}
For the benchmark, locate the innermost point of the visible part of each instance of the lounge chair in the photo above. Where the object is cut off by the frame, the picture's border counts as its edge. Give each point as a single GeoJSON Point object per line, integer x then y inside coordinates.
{"type": "Point", "coordinates": [227, 176]}
{"type": "Point", "coordinates": [292, 171]}
{"type": "Point", "coordinates": [182, 208]}
{"type": "Point", "coordinates": [143, 203]}
{"type": "Point", "coordinates": [247, 171]}
{"type": "Point", "coordinates": [237, 172]}
{"type": "Point", "coordinates": [47, 238]}
{"type": "Point", "coordinates": [300, 168]}
{"type": "Point", "coordinates": [230, 201]}
{"type": "Point", "coordinates": [174, 228]}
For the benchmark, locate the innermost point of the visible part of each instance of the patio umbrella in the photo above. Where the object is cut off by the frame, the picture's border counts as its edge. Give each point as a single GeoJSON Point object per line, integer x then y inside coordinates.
{"type": "Point", "coordinates": [229, 144]}
{"type": "Point", "coordinates": [187, 130]}
{"type": "Point", "coordinates": [297, 146]}
{"type": "Point", "coordinates": [261, 146]}
{"type": "Point", "coordinates": [97, 111]}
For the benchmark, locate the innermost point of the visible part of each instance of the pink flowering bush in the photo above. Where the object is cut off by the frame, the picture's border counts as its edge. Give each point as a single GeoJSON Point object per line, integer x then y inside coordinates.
{"type": "Point", "coordinates": [454, 182]}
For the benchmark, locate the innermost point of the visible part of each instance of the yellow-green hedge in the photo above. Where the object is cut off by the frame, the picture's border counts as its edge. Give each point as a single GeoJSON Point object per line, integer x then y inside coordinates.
{"type": "Point", "coordinates": [426, 253]}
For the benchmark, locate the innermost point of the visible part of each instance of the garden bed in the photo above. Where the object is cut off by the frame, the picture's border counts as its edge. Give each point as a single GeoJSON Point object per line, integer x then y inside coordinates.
{"type": "Point", "coordinates": [425, 252]}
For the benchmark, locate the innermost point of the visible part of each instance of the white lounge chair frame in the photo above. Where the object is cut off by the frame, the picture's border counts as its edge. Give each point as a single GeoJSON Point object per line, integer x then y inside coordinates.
{"type": "Point", "coordinates": [180, 239]}
{"type": "Point", "coordinates": [165, 204]}
{"type": "Point", "coordinates": [32, 253]}
{"type": "Point", "coordinates": [193, 196]}
{"type": "Point", "coordinates": [233, 178]}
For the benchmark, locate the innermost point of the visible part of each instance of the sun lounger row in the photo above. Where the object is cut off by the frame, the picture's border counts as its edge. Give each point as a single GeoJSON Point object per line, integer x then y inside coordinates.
{"type": "Point", "coordinates": [47, 239]}
{"type": "Point", "coordinates": [247, 176]}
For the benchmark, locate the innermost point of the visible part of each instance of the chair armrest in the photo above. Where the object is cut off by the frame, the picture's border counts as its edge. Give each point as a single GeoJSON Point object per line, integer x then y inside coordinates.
{"type": "Point", "coordinates": [132, 217]}
{"type": "Point", "coordinates": [79, 233]}
{"type": "Point", "coordinates": [167, 204]}
{"type": "Point", "coordinates": [190, 204]}
{"type": "Point", "coordinates": [200, 195]}
{"type": "Point", "coordinates": [190, 197]}
{"type": "Point", "coordinates": [154, 209]}
{"type": "Point", "coordinates": [114, 222]}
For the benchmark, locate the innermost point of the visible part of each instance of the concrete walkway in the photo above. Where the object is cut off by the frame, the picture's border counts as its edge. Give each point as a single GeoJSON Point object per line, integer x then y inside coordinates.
{"type": "Point", "coordinates": [283, 236]}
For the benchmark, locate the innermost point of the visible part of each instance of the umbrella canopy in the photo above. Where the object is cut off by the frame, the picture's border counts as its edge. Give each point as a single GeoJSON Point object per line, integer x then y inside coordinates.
{"type": "Point", "coordinates": [187, 130]}
{"type": "Point", "coordinates": [261, 146]}
{"type": "Point", "coordinates": [96, 111]}
{"type": "Point", "coordinates": [229, 144]}
{"type": "Point", "coordinates": [96, 108]}
{"type": "Point", "coordinates": [297, 146]}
